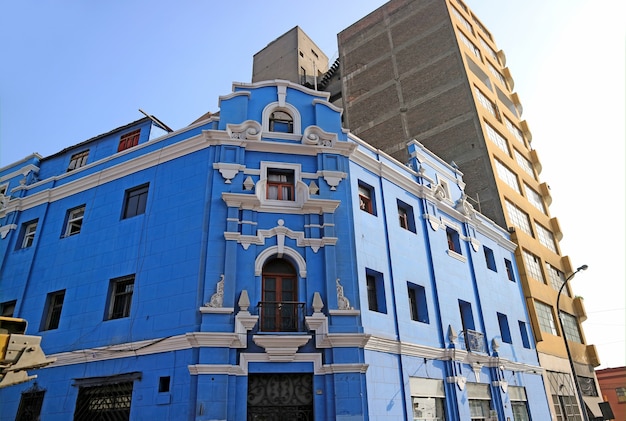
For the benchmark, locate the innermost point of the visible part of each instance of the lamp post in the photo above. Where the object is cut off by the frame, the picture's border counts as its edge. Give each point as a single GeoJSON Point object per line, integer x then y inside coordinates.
{"type": "Point", "coordinates": [583, 412]}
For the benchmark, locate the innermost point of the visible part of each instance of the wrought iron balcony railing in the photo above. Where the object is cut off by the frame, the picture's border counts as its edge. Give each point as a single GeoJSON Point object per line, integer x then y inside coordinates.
{"type": "Point", "coordinates": [474, 341]}
{"type": "Point", "coordinates": [281, 316]}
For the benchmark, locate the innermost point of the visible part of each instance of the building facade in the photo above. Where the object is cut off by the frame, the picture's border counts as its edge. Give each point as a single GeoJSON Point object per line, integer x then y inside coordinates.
{"type": "Point", "coordinates": [430, 70]}
{"type": "Point", "coordinates": [262, 263]}
{"type": "Point", "coordinates": [613, 388]}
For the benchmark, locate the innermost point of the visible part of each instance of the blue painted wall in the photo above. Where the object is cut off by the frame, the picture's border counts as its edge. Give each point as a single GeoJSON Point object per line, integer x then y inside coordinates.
{"type": "Point", "coordinates": [207, 219]}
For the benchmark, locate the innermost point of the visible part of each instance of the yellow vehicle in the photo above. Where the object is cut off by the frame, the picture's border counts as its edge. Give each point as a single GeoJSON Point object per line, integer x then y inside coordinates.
{"type": "Point", "coordinates": [18, 352]}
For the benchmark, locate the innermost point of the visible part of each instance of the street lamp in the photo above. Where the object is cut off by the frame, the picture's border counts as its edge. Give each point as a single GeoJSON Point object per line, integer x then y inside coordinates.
{"type": "Point", "coordinates": [583, 412]}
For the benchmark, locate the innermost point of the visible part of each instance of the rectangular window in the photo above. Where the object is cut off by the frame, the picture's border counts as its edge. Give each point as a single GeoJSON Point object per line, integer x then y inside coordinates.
{"type": "Point", "coordinates": [519, 218]}
{"type": "Point", "coordinates": [546, 237]}
{"type": "Point", "coordinates": [464, 21]}
{"type": "Point", "coordinates": [29, 229]}
{"type": "Point", "coordinates": [534, 198]}
{"type": "Point", "coordinates": [405, 216]}
{"type": "Point", "coordinates": [375, 291]}
{"type": "Point", "coordinates": [78, 160]}
{"type": "Point", "coordinates": [366, 198]}
{"type": "Point", "coordinates": [557, 278]}
{"type": "Point", "coordinates": [563, 396]}
{"type": "Point", "coordinates": [428, 399]}
{"type": "Point", "coordinates": [523, 330]}
{"type": "Point", "coordinates": [517, 133]}
{"type": "Point", "coordinates": [587, 386]}
{"type": "Point", "coordinates": [621, 394]}
{"type": "Point", "coordinates": [120, 297]}
{"type": "Point", "coordinates": [479, 399]}
{"type": "Point", "coordinates": [490, 258]}
{"type": "Point", "coordinates": [497, 74]}
{"type": "Point", "coordinates": [108, 401]}
{"type": "Point", "coordinates": [280, 184]}
{"type": "Point", "coordinates": [164, 384]}
{"type": "Point", "coordinates": [485, 102]}
{"type": "Point", "coordinates": [74, 220]}
{"type": "Point", "coordinates": [509, 270]}
{"type": "Point", "coordinates": [467, 316]}
{"type": "Point", "coordinates": [505, 332]}
{"type": "Point", "coordinates": [546, 318]}
{"type": "Point", "coordinates": [417, 303]}
{"type": "Point", "coordinates": [470, 45]}
{"type": "Point", "coordinates": [52, 314]}
{"type": "Point", "coordinates": [533, 266]}
{"type": "Point", "coordinates": [508, 176]}
{"type": "Point", "coordinates": [129, 140]}
{"type": "Point", "coordinates": [524, 163]}
{"type": "Point", "coordinates": [454, 242]}
{"type": "Point", "coordinates": [135, 201]}
{"type": "Point", "coordinates": [30, 405]}
{"type": "Point", "coordinates": [570, 325]}
{"type": "Point", "coordinates": [302, 76]}
{"type": "Point", "coordinates": [7, 308]}
{"type": "Point", "coordinates": [519, 405]}
{"type": "Point", "coordinates": [497, 139]}
{"type": "Point", "coordinates": [490, 50]}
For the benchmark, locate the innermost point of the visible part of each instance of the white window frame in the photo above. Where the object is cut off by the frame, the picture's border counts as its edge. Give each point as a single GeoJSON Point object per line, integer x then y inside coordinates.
{"type": "Point", "coordinates": [30, 230]}
{"type": "Point", "coordinates": [509, 177]}
{"type": "Point", "coordinates": [298, 194]}
{"type": "Point", "coordinates": [74, 219]}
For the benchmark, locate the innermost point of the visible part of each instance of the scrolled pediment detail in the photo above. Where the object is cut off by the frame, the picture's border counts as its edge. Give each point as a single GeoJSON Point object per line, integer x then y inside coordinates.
{"type": "Point", "coordinates": [314, 135]}
{"type": "Point", "coordinates": [248, 130]}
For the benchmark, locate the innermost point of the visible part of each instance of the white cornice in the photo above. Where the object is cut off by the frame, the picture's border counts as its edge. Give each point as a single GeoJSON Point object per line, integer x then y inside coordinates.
{"type": "Point", "coordinates": [252, 202]}
{"type": "Point", "coordinates": [392, 346]}
{"type": "Point", "coordinates": [106, 175]}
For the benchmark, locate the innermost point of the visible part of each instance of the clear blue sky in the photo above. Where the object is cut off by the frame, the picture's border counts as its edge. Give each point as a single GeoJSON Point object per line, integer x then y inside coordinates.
{"type": "Point", "coordinates": [70, 70]}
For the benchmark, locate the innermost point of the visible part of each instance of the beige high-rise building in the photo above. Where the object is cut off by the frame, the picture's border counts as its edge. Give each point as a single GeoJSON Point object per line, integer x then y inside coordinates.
{"type": "Point", "coordinates": [430, 70]}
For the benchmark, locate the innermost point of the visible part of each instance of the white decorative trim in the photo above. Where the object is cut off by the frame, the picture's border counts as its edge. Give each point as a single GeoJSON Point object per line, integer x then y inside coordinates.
{"type": "Point", "coordinates": [252, 202]}
{"type": "Point", "coordinates": [352, 312]}
{"type": "Point", "coordinates": [281, 347]}
{"type": "Point", "coordinates": [279, 252]}
{"type": "Point", "coordinates": [280, 232]}
{"type": "Point", "coordinates": [333, 178]}
{"type": "Point", "coordinates": [217, 310]}
{"type": "Point", "coordinates": [456, 255]}
{"type": "Point", "coordinates": [228, 171]}
{"type": "Point", "coordinates": [459, 380]}
{"type": "Point", "coordinates": [4, 230]}
{"type": "Point", "coordinates": [217, 299]}
{"type": "Point", "coordinates": [248, 130]}
{"type": "Point", "coordinates": [342, 302]}
{"type": "Point", "coordinates": [315, 135]}
{"type": "Point", "coordinates": [318, 322]}
{"type": "Point", "coordinates": [282, 106]}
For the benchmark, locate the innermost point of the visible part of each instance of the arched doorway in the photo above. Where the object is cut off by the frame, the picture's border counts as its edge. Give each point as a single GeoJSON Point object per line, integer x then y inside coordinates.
{"type": "Point", "coordinates": [279, 303]}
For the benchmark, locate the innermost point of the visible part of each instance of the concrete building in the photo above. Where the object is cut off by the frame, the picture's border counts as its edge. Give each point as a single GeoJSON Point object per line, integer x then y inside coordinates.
{"type": "Point", "coordinates": [430, 70]}
{"type": "Point", "coordinates": [261, 263]}
{"type": "Point", "coordinates": [292, 56]}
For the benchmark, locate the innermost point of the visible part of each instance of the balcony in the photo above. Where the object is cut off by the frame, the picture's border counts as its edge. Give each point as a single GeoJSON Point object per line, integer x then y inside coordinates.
{"type": "Point", "coordinates": [281, 316]}
{"type": "Point", "coordinates": [474, 341]}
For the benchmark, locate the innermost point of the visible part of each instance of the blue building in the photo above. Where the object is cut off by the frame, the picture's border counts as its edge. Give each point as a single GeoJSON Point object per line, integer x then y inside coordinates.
{"type": "Point", "coordinates": [262, 264]}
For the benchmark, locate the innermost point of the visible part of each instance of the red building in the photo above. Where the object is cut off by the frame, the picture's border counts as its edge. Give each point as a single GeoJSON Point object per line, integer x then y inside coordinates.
{"type": "Point", "coordinates": [613, 385]}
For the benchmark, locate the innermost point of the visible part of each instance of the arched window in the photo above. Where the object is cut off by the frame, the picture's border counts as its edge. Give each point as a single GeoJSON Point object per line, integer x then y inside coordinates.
{"type": "Point", "coordinates": [279, 306]}
{"type": "Point", "coordinates": [281, 121]}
